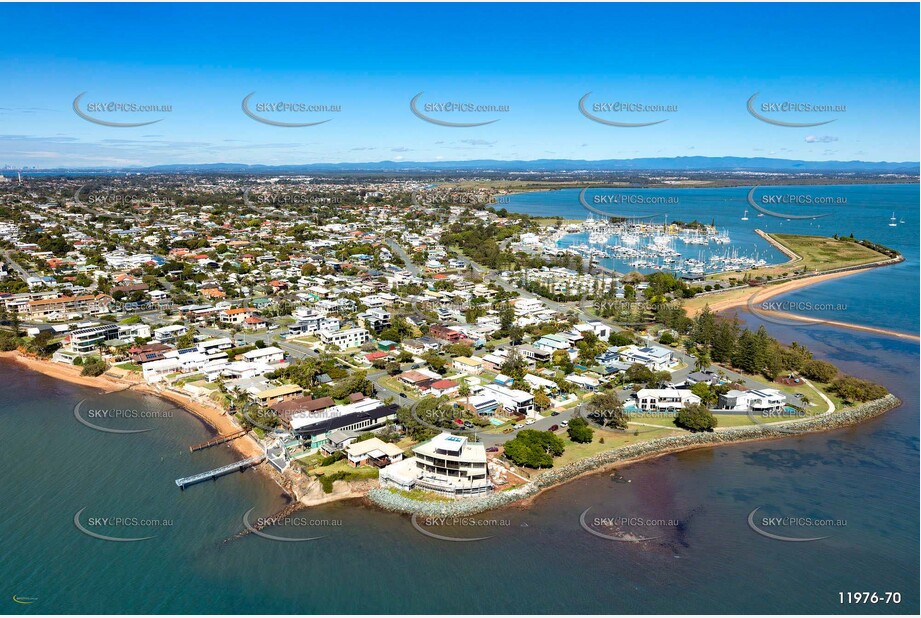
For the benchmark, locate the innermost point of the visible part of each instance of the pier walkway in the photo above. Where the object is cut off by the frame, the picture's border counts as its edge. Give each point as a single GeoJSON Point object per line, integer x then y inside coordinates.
{"type": "Point", "coordinates": [218, 472]}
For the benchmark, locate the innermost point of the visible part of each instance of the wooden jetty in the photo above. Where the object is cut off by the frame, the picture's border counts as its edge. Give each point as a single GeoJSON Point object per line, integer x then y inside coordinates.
{"type": "Point", "coordinates": [218, 440]}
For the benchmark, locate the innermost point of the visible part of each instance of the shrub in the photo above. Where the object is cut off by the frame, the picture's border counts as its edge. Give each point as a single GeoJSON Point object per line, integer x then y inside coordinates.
{"type": "Point", "coordinates": [820, 370]}
{"type": "Point", "coordinates": [93, 367]}
{"type": "Point", "coordinates": [857, 390]}
{"type": "Point", "coordinates": [579, 431]}
{"type": "Point", "coordinates": [695, 417]}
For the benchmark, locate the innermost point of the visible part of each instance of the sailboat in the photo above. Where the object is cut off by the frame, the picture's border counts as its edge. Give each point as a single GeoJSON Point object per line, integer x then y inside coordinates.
{"type": "Point", "coordinates": [745, 216]}
{"type": "Point", "coordinates": [901, 219]}
{"type": "Point", "coordinates": [892, 222]}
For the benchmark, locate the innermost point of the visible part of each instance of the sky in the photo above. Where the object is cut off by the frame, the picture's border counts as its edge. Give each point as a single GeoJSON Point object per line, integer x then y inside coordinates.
{"type": "Point", "coordinates": [695, 67]}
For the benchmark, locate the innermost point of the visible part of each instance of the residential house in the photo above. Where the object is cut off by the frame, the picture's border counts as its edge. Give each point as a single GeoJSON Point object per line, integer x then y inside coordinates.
{"type": "Point", "coordinates": [661, 399]}
{"type": "Point", "coordinates": [373, 452]}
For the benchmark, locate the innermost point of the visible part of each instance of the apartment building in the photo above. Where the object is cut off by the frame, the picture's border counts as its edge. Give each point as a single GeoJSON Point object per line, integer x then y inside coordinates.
{"type": "Point", "coordinates": [347, 338]}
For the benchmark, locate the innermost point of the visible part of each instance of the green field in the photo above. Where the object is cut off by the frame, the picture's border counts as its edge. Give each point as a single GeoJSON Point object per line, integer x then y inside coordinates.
{"type": "Point", "coordinates": [825, 253]}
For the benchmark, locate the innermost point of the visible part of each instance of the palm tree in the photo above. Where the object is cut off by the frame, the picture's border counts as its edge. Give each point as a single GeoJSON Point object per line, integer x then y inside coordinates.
{"type": "Point", "coordinates": [464, 391]}
{"type": "Point", "coordinates": [702, 360]}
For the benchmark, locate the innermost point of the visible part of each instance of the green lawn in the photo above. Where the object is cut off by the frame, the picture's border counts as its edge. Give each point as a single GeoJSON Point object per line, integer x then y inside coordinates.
{"type": "Point", "coordinates": [612, 440]}
{"type": "Point", "coordinates": [129, 367]}
{"type": "Point", "coordinates": [825, 253]}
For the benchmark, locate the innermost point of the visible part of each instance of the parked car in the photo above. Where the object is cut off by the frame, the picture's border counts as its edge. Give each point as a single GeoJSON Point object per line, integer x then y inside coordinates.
{"type": "Point", "coordinates": [553, 427]}
{"type": "Point", "coordinates": [402, 394]}
{"type": "Point", "coordinates": [530, 421]}
{"type": "Point", "coordinates": [468, 425]}
{"type": "Point", "coordinates": [519, 426]}
{"type": "Point", "coordinates": [564, 423]}
{"type": "Point", "coordinates": [554, 413]}
{"type": "Point", "coordinates": [492, 449]}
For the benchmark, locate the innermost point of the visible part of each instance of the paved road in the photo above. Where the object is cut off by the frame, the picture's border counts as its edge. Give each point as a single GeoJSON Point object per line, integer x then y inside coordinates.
{"type": "Point", "coordinates": [13, 264]}
{"type": "Point", "coordinates": [408, 263]}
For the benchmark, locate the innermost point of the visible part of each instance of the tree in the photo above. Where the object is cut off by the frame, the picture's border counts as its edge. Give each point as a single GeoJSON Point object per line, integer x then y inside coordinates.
{"type": "Point", "coordinates": [579, 431]}
{"type": "Point", "coordinates": [513, 366]}
{"type": "Point", "coordinates": [464, 391]}
{"type": "Point", "coordinates": [534, 449]}
{"type": "Point", "coordinates": [541, 400]}
{"type": "Point", "coordinates": [506, 316]}
{"type": "Point", "coordinates": [610, 410]}
{"type": "Point", "coordinates": [857, 390]}
{"type": "Point", "coordinates": [94, 366]}
{"type": "Point", "coordinates": [619, 339]}
{"type": "Point", "coordinates": [819, 370]}
{"type": "Point", "coordinates": [702, 360]}
{"type": "Point", "coordinates": [695, 417]}
{"type": "Point", "coordinates": [707, 394]}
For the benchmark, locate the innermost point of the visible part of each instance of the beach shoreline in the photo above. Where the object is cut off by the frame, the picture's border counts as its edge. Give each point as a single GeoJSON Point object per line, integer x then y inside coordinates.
{"type": "Point", "coordinates": [215, 419]}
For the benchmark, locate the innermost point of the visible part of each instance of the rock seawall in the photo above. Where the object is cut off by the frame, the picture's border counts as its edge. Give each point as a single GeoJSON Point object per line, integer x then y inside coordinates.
{"type": "Point", "coordinates": [391, 501]}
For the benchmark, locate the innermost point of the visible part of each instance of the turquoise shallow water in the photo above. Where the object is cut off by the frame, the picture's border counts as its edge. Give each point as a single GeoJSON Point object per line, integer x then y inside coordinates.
{"type": "Point", "coordinates": [704, 559]}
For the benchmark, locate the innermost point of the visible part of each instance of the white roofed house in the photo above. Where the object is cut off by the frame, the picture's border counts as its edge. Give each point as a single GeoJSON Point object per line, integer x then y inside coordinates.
{"type": "Point", "coordinates": [513, 400]}
{"type": "Point", "coordinates": [268, 355]}
{"type": "Point", "coordinates": [373, 452]}
{"type": "Point", "coordinates": [657, 399]}
{"type": "Point", "coordinates": [755, 400]}
{"type": "Point", "coordinates": [654, 357]}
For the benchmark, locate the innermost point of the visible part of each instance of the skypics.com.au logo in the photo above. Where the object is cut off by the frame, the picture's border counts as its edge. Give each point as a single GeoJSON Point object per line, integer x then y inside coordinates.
{"type": "Point", "coordinates": [457, 109]}
{"type": "Point", "coordinates": [616, 113]}
{"type": "Point", "coordinates": [798, 109]}
{"type": "Point", "coordinates": [271, 112]}
{"type": "Point", "coordinates": [92, 110]}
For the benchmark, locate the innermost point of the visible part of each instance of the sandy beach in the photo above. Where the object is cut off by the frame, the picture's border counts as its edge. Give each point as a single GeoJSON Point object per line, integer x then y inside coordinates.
{"type": "Point", "coordinates": [209, 413]}
{"type": "Point", "coordinates": [765, 292]}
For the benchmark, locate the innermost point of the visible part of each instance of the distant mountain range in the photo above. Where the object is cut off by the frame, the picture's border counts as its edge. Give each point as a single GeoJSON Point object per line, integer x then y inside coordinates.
{"type": "Point", "coordinates": [658, 164]}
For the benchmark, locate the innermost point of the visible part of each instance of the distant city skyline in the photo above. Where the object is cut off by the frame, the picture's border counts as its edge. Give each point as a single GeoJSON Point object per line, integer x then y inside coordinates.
{"type": "Point", "coordinates": [698, 68]}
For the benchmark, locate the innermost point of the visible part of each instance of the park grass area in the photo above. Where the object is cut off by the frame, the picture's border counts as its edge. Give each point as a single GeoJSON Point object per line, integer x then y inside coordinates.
{"type": "Point", "coordinates": [612, 439]}
{"type": "Point", "coordinates": [817, 254]}
{"type": "Point", "coordinates": [824, 253]}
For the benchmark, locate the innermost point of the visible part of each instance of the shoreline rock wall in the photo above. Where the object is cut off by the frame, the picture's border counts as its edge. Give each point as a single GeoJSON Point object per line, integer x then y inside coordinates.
{"type": "Point", "coordinates": [391, 501]}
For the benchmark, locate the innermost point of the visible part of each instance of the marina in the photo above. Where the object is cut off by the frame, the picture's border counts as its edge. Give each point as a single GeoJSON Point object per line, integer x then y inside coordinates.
{"type": "Point", "coordinates": [691, 250]}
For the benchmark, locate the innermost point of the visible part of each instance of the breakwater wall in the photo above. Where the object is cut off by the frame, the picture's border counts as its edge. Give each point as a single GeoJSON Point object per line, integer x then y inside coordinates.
{"type": "Point", "coordinates": [393, 501]}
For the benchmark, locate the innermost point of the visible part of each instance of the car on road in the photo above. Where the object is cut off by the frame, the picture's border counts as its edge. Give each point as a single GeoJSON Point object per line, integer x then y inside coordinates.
{"type": "Point", "coordinates": [554, 413]}
{"type": "Point", "coordinates": [403, 395]}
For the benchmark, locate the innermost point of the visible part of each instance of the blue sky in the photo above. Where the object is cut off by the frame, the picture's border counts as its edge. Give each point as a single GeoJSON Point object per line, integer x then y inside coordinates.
{"type": "Point", "coordinates": [538, 60]}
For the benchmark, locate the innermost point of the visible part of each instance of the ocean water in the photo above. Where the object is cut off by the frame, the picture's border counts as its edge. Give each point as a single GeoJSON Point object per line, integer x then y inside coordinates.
{"type": "Point", "coordinates": [701, 555]}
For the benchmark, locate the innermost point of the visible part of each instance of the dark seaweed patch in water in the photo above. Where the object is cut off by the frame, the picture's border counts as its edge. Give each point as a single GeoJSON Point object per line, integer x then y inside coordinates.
{"type": "Point", "coordinates": [783, 459]}
{"type": "Point", "coordinates": [839, 453]}
{"type": "Point", "coordinates": [909, 442]}
{"type": "Point", "coordinates": [855, 455]}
